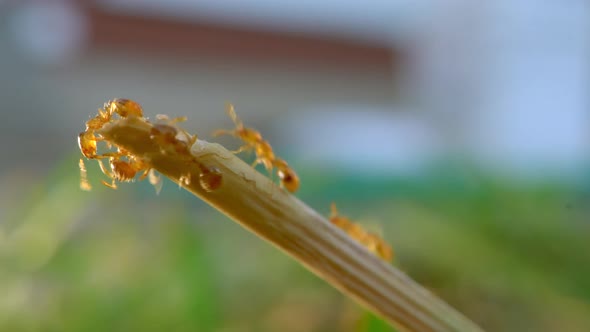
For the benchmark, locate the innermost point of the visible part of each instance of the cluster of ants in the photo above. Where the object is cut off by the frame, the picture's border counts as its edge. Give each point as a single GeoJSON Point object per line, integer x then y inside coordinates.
{"type": "Point", "coordinates": [124, 166]}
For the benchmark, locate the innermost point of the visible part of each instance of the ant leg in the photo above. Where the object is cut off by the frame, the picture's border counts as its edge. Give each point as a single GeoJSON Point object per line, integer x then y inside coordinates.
{"type": "Point", "coordinates": [144, 174]}
{"type": "Point", "coordinates": [269, 168]}
{"type": "Point", "coordinates": [104, 169]}
{"type": "Point", "coordinates": [164, 117]}
{"type": "Point", "coordinates": [178, 119]}
{"type": "Point", "coordinates": [111, 185]}
{"type": "Point", "coordinates": [108, 173]}
{"type": "Point", "coordinates": [191, 139]}
{"type": "Point", "coordinates": [221, 132]}
{"type": "Point", "coordinates": [105, 155]}
{"type": "Point", "coordinates": [230, 109]}
{"type": "Point", "coordinates": [242, 149]}
{"type": "Point", "coordinates": [267, 164]}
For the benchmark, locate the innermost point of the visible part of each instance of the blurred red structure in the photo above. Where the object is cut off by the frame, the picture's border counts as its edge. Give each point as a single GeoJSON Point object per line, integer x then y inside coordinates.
{"type": "Point", "coordinates": [128, 32]}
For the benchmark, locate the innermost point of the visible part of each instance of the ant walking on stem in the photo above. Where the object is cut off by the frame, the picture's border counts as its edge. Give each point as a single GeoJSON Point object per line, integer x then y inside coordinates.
{"type": "Point", "coordinates": [264, 154]}
{"type": "Point", "coordinates": [167, 136]}
{"type": "Point", "coordinates": [374, 243]}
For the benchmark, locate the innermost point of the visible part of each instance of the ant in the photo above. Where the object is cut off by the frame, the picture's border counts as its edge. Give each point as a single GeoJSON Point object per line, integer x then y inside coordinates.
{"type": "Point", "coordinates": [125, 171]}
{"type": "Point", "coordinates": [264, 154]}
{"type": "Point", "coordinates": [165, 135]}
{"type": "Point", "coordinates": [87, 140]}
{"type": "Point", "coordinates": [374, 243]}
{"type": "Point", "coordinates": [121, 170]}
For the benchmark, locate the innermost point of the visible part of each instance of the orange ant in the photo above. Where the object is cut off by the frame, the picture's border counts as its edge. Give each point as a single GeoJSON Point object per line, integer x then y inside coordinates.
{"type": "Point", "coordinates": [165, 135]}
{"type": "Point", "coordinates": [87, 140]}
{"type": "Point", "coordinates": [372, 242]}
{"type": "Point", "coordinates": [264, 154]}
{"type": "Point", "coordinates": [125, 171]}
{"type": "Point", "coordinates": [123, 107]}
{"type": "Point", "coordinates": [121, 170]}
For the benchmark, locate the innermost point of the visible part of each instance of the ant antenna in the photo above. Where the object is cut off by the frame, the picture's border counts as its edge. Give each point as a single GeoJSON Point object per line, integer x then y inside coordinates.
{"type": "Point", "coordinates": [230, 109]}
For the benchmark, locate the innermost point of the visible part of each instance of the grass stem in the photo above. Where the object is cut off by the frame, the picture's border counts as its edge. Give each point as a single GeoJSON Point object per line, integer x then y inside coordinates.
{"type": "Point", "coordinates": [255, 202]}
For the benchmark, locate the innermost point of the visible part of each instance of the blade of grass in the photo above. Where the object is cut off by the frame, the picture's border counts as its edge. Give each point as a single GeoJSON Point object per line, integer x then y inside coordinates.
{"type": "Point", "coordinates": [256, 203]}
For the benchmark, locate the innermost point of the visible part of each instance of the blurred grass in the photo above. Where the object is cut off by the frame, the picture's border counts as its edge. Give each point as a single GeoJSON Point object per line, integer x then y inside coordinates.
{"type": "Point", "coordinates": [512, 256]}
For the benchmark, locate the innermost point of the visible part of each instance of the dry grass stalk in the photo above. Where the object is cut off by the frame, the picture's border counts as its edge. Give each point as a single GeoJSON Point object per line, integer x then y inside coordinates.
{"type": "Point", "coordinates": [255, 202]}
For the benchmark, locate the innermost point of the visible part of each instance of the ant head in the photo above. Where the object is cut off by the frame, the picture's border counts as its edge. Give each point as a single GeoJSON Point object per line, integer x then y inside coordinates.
{"type": "Point", "coordinates": [87, 144]}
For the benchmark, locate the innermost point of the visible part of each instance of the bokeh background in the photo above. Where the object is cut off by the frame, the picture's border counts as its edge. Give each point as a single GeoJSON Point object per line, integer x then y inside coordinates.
{"type": "Point", "coordinates": [459, 128]}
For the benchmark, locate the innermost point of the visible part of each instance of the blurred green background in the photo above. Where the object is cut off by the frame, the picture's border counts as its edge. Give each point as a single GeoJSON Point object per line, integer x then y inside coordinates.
{"type": "Point", "coordinates": [489, 213]}
{"type": "Point", "coordinates": [512, 258]}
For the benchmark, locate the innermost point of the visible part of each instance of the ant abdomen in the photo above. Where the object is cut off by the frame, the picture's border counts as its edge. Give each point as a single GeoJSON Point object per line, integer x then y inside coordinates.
{"type": "Point", "coordinates": [210, 179]}
{"type": "Point", "coordinates": [124, 107]}
{"type": "Point", "coordinates": [122, 170]}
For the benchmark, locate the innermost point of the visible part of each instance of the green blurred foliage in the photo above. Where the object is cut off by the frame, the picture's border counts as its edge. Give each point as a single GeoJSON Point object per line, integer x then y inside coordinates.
{"type": "Point", "coordinates": [512, 256]}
